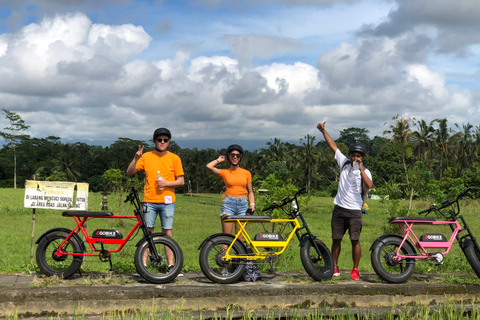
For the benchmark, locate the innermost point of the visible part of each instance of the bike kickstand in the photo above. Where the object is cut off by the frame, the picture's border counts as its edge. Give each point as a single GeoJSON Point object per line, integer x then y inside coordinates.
{"type": "Point", "coordinates": [271, 261]}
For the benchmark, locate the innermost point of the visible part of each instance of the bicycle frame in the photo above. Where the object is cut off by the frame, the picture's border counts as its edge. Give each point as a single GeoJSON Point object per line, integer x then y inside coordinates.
{"type": "Point", "coordinates": [81, 227]}
{"type": "Point", "coordinates": [407, 226]}
{"type": "Point", "coordinates": [81, 218]}
{"type": "Point", "coordinates": [255, 245]}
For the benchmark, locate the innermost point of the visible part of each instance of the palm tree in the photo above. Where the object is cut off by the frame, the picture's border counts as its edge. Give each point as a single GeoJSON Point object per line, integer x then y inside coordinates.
{"type": "Point", "coordinates": [477, 142]}
{"type": "Point", "coordinates": [423, 137]}
{"type": "Point", "coordinates": [401, 132]}
{"type": "Point", "coordinates": [310, 156]}
{"type": "Point", "coordinates": [442, 141]}
{"type": "Point", "coordinates": [275, 151]}
{"type": "Point", "coordinates": [465, 146]}
{"type": "Point", "coordinates": [64, 164]}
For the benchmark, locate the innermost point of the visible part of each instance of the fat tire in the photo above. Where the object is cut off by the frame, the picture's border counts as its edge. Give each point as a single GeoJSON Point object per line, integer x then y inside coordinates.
{"type": "Point", "coordinates": [212, 267]}
{"type": "Point", "coordinates": [473, 257]}
{"type": "Point", "coordinates": [157, 272]}
{"type": "Point", "coordinates": [385, 267]}
{"type": "Point", "coordinates": [63, 267]}
{"type": "Point", "coordinates": [319, 268]}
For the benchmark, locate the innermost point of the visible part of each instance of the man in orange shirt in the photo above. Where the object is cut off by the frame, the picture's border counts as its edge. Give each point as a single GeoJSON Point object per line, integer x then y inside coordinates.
{"type": "Point", "coordinates": [159, 196]}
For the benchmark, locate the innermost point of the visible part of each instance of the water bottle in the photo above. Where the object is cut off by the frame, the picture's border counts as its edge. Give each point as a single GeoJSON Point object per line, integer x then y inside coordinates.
{"type": "Point", "coordinates": [159, 177]}
{"type": "Point", "coordinates": [294, 206]}
{"type": "Point", "coordinates": [355, 166]}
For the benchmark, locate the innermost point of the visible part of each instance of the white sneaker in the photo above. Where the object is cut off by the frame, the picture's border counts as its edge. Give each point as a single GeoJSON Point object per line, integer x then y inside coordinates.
{"type": "Point", "coordinates": [170, 267]}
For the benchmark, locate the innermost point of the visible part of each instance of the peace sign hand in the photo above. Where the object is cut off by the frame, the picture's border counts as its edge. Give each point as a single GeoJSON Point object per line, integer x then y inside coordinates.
{"type": "Point", "coordinates": [139, 153]}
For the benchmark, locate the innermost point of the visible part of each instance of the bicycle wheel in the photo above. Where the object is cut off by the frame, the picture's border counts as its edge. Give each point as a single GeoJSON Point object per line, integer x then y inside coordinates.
{"type": "Point", "coordinates": [211, 262]}
{"type": "Point", "coordinates": [386, 267]}
{"type": "Point", "coordinates": [319, 267]}
{"type": "Point", "coordinates": [159, 271]}
{"type": "Point", "coordinates": [473, 257]}
{"type": "Point", "coordinates": [51, 265]}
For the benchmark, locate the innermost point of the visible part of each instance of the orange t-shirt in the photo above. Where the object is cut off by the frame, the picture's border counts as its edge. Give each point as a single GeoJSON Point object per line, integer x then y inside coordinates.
{"type": "Point", "coordinates": [169, 165]}
{"type": "Point", "coordinates": [236, 181]}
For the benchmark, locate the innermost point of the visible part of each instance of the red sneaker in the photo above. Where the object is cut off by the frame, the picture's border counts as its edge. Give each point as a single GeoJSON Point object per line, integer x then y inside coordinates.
{"type": "Point", "coordinates": [336, 272]}
{"type": "Point", "coordinates": [355, 274]}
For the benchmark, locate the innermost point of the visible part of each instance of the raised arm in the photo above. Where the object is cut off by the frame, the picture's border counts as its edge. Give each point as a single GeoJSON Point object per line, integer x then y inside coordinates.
{"type": "Point", "coordinates": [211, 165]}
{"type": "Point", "coordinates": [328, 139]}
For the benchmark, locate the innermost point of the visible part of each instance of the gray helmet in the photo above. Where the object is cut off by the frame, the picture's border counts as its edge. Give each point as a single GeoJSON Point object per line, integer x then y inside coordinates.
{"type": "Point", "coordinates": [357, 148]}
{"type": "Point", "coordinates": [235, 147]}
{"type": "Point", "coordinates": [162, 131]}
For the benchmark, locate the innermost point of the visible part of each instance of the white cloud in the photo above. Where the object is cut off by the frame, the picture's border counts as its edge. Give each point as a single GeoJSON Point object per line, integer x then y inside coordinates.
{"type": "Point", "coordinates": [432, 81]}
{"type": "Point", "coordinates": [71, 77]}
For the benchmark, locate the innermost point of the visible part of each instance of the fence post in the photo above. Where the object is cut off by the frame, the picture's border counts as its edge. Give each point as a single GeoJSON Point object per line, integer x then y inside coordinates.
{"type": "Point", "coordinates": [33, 236]}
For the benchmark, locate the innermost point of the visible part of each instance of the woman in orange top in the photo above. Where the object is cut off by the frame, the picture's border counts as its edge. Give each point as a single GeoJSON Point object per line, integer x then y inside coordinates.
{"type": "Point", "coordinates": [238, 182]}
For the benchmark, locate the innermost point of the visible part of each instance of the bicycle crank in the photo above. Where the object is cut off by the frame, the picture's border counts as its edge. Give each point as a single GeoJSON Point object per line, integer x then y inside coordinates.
{"type": "Point", "coordinates": [271, 258]}
{"type": "Point", "coordinates": [104, 256]}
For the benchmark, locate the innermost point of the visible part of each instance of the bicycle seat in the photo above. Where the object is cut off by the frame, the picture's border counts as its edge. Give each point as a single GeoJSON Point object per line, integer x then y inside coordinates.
{"type": "Point", "coordinates": [402, 219]}
{"type": "Point", "coordinates": [86, 214]}
{"type": "Point", "coordinates": [245, 218]}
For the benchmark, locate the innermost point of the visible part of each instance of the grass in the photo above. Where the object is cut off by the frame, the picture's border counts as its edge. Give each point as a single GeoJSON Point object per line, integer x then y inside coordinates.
{"type": "Point", "coordinates": [196, 217]}
{"type": "Point", "coordinates": [450, 310]}
{"type": "Point", "coordinates": [90, 280]}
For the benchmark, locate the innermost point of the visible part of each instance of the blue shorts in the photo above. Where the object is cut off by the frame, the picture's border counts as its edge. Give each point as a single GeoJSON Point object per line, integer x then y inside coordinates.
{"type": "Point", "coordinates": [165, 211]}
{"type": "Point", "coordinates": [234, 206]}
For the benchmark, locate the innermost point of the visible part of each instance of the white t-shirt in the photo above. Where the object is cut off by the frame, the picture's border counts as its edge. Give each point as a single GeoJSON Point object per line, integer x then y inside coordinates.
{"type": "Point", "coordinates": [349, 194]}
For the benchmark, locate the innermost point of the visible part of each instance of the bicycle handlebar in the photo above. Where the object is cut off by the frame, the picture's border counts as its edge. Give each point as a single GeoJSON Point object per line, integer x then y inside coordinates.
{"type": "Point", "coordinates": [131, 196]}
{"type": "Point", "coordinates": [445, 203]}
{"type": "Point", "coordinates": [286, 200]}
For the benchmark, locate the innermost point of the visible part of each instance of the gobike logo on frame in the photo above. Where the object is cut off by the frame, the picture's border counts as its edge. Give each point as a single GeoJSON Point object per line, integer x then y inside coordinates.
{"type": "Point", "coordinates": [434, 237]}
{"type": "Point", "coordinates": [269, 236]}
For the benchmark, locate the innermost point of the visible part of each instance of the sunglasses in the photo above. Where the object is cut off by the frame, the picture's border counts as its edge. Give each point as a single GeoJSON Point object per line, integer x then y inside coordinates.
{"type": "Point", "coordinates": [163, 140]}
{"type": "Point", "coordinates": [235, 155]}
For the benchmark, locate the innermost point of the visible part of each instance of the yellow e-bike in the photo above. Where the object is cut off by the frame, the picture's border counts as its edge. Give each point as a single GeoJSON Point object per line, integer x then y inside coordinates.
{"type": "Point", "coordinates": [223, 257]}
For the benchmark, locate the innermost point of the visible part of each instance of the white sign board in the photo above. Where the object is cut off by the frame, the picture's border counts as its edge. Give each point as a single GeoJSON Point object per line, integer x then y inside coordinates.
{"type": "Point", "coordinates": [59, 195]}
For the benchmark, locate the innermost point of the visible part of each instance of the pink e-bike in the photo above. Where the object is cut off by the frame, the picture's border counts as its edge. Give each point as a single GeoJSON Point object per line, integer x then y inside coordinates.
{"type": "Point", "coordinates": [394, 256]}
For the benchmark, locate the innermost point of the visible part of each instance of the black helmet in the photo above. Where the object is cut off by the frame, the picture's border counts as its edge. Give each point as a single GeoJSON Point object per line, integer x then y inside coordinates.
{"type": "Point", "coordinates": [235, 147]}
{"type": "Point", "coordinates": [162, 131]}
{"type": "Point", "coordinates": [357, 148]}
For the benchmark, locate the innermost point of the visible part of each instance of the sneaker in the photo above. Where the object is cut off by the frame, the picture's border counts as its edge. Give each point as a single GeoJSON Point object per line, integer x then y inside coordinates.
{"type": "Point", "coordinates": [170, 267]}
{"type": "Point", "coordinates": [336, 272]}
{"type": "Point", "coordinates": [355, 274]}
{"type": "Point", "coordinates": [224, 271]}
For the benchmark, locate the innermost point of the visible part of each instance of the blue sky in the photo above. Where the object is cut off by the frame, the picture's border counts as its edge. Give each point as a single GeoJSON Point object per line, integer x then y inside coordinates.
{"type": "Point", "coordinates": [235, 70]}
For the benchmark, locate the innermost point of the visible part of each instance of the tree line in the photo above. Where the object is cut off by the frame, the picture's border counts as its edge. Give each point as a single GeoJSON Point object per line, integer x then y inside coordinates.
{"type": "Point", "coordinates": [411, 159]}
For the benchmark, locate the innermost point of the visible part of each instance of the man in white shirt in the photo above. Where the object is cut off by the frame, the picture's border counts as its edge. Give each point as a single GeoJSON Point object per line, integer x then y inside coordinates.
{"type": "Point", "coordinates": [347, 214]}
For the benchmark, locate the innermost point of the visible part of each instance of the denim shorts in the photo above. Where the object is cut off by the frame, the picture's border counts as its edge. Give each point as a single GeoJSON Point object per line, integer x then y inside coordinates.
{"type": "Point", "coordinates": [165, 211]}
{"type": "Point", "coordinates": [234, 206]}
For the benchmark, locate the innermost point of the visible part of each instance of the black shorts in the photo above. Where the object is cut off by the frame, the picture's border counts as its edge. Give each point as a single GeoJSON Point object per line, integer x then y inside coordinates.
{"type": "Point", "coordinates": [343, 219]}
